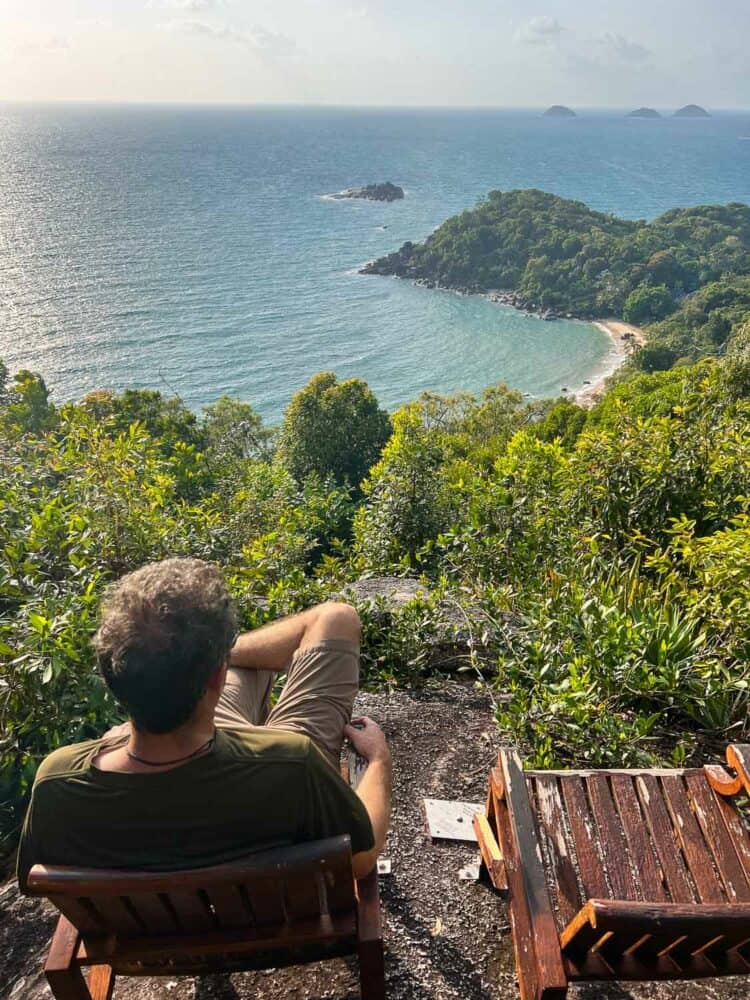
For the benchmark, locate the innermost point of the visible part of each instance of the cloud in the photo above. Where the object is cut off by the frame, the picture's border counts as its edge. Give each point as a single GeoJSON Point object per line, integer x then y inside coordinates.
{"type": "Point", "coordinates": [258, 37]}
{"type": "Point", "coordinates": [540, 31]}
{"type": "Point", "coordinates": [624, 49]}
{"type": "Point", "coordinates": [547, 32]}
{"type": "Point", "coordinates": [186, 5]}
{"type": "Point", "coordinates": [45, 43]}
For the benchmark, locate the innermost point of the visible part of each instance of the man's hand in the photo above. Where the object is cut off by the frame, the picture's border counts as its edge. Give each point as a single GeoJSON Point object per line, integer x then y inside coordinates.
{"type": "Point", "coordinates": [374, 789]}
{"type": "Point", "coordinates": [368, 739]}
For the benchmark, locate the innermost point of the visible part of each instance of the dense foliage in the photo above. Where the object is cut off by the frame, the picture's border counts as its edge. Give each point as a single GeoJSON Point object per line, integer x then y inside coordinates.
{"type": "Point", "coordinates": [333, 428]}
{"type": "Point", "coordinates": [560, 255]}
{"type": "Point", "coordinates": [598, 560]}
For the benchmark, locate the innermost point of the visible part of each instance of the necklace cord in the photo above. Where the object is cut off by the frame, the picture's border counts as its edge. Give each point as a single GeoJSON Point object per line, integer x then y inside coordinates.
{"type": "Point", "coordinates": [178, 760]}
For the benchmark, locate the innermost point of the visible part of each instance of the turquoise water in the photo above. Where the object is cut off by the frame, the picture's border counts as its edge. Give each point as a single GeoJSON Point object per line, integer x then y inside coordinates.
{"type": "Point", "coordinates": [194, 250]}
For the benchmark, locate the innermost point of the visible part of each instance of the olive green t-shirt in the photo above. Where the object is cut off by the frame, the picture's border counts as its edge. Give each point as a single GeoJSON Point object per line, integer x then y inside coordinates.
{"type": "Point", "coordinates": [256, 789]}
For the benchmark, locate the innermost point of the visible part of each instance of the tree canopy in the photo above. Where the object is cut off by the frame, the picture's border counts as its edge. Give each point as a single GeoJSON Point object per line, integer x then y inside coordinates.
{"type": "Point", "coordinates": [333, 428]}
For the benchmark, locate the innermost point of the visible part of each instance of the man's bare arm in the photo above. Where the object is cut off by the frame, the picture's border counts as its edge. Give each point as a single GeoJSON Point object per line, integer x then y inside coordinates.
{"type": "Point", "coordinates": [272, 646]}
{"type": "Point", "coordinates": [374, 788]}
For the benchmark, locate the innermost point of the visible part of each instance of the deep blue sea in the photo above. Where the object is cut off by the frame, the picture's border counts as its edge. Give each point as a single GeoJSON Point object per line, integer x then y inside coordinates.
{"type": "Point", "coordinates": [192, 249]}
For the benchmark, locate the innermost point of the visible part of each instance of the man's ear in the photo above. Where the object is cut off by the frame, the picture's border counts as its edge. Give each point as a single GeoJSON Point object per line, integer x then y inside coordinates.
{"type": "Point", "coordinates": [217, 678]}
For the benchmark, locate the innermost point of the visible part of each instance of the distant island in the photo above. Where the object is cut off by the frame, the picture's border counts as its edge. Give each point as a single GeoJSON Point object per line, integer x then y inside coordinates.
{"type": "Point", "coordinates": [692, 111]}
{"type": "Point", "coordinates": [559, 258]}
{"type": "Point", "coordinates": [374, 192]}
{"type": "Point", "coordinates": [559, 111]}
{"type": "Point", "coordinates": [644, 113]}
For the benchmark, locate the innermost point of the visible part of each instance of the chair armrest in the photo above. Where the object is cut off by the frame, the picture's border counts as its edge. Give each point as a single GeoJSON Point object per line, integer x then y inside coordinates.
{"type": "Point", "coordinates": [721, 780]}
{"type": "Point", "coordinates": [369, 924]}
{"type": "Point", "coordinates": [738, 758]}
{"type": "Point", "coordinates": [489, 848]}
{"type": "Point", "coordinates": [368, 908]}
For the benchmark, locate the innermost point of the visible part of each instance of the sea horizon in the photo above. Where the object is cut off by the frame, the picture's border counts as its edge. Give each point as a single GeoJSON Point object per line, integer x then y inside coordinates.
{"type": "Point", "coordinates": [313, 105]}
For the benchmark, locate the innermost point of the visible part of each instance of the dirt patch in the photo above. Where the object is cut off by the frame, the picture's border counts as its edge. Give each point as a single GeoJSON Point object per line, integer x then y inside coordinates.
{"type": "Point", "coordinates": [445, 939]}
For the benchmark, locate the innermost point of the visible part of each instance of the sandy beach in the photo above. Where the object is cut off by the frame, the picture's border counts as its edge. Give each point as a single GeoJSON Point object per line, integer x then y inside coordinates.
{"type": "Point", "coordinates": [625, 337]}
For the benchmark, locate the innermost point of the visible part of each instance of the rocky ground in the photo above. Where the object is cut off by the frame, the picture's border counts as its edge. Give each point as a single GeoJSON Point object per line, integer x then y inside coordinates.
{"type": "Point", "coordinates": [445, 938]}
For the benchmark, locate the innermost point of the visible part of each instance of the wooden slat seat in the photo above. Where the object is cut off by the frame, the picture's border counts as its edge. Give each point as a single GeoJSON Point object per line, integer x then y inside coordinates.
{"type": "Point", "coordinates": [623, 874]}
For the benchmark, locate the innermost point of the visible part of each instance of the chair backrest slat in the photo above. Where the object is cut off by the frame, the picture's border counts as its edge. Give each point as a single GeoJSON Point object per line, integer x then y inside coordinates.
{"type": "Point", "coordinates": [713, 944]}
{"type": "Point", "coordinates": [694, 848]}
{"type": "Point", "coordinates": [560, 851]}
{"type": "Point", "coordinates": [79, 912]}
{"type": "Point", "coordinates": [338, 885]}
{"type": "Point", "coordinates": [265, 900]}
{"type": "Point", "coordinates": [117, 915]}
{"type": "Point", "coordinates": [612, 842]}
{"type": "Point", "coordinates": [278, 887]}
{"type": "Point", "coordinates": [230, 907]}
{"type": "Point", "coordinates": [154, 913]}
{"type": "Point", "coordinates": [585, 839]}
{"type": "Point", "coordinates": [615, 928]}
{"type": "Point", "coordinates": [305, 897]}
{"type": "Point", "coordinates": [738, 831]}
{"type": "Point", "coordinates": [659, 824]}
{"type": "Point", "coordinates": [718, 839]}
{"type": "Point", "coordinates": [191, 910]}
{"type": "Point", "coordinates": [650, 875]}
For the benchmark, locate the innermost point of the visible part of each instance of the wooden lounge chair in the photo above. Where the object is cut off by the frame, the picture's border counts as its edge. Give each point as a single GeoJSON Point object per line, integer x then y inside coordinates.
{"type": "Point", "coordinates": [624, 875]}
{"type": "Point", "coordinates": [275, 908]}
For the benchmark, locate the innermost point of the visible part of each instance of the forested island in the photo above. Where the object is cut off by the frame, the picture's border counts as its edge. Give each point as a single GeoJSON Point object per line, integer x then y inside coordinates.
{"type": "Point", "coordinates": [684, 275]}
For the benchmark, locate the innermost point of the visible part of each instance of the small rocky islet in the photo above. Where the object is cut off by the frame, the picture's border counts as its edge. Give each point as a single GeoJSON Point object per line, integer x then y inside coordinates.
{"type": "Point", "coordinates": [688, 111]}
{"type": "Point", "coordinates": [559, 111]}
{"type": "Point", "coordinates": [374, 192]}
{"type": "Point", "coordinates": [644, 113]}
{"type": "Point", "coordinates": [691, 111]}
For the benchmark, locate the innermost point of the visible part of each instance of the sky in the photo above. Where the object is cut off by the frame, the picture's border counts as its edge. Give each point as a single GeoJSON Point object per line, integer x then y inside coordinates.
{"type": "Point", "coordinates": [500, 53]}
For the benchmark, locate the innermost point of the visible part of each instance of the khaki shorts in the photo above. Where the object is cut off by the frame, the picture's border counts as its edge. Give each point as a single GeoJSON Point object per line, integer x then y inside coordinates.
{"type": "Point", "coordinates": [316, 700]}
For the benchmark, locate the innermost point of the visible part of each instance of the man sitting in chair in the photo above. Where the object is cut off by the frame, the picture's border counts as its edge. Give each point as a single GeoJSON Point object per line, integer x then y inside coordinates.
{"type": "Point", "coordinates": [206, 771]}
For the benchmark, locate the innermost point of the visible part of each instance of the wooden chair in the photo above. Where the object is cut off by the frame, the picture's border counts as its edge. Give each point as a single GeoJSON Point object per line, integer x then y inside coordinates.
{"type": "Point", "coordinates": [620, 875]}
{"type": "Point", "coordinates": [272, 909]}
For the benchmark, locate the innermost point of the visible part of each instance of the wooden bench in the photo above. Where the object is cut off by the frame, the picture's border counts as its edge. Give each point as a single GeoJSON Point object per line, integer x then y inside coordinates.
{"type": "Point", "coordinates": [624, 875]}
{"type": "Point", "coordinates": [281, 907]}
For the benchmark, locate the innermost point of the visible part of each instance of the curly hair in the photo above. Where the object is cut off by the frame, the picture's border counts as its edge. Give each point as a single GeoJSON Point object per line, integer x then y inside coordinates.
{"type": "Point", "coordinates": [164, 630]}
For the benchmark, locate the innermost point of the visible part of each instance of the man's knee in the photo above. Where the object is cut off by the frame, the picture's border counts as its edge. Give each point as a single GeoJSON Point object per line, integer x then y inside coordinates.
{"type": "Point", "coordinates": [341, 621]}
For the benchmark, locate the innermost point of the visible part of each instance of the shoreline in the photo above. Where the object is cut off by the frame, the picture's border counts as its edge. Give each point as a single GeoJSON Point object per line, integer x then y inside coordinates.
{"type": "Point", "coordinates": [624, 337]}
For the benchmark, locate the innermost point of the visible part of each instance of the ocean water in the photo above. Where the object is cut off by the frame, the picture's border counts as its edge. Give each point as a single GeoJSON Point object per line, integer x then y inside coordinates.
{"type": "Point", "coordinates": [193, 249]}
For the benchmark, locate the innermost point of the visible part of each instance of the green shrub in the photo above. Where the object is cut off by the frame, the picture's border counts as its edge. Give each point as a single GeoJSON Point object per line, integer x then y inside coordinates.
{"type": "Point", "coordinates": [332, 428]}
